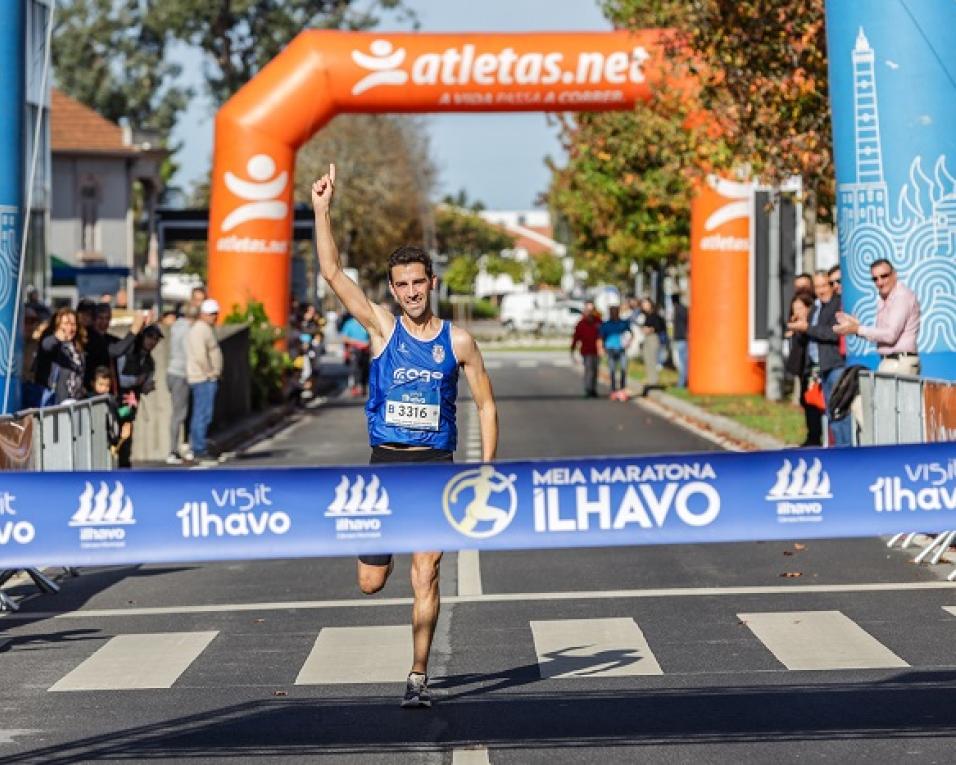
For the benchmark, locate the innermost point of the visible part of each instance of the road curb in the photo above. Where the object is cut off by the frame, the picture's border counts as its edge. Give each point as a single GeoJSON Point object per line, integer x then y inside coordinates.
{"type": "Point", "coordinates": [747, 438]}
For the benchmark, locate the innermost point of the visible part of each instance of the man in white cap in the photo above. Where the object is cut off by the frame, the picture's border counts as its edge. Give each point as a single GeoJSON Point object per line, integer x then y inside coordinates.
{"type": "Point", "coordinates": [203, 370]}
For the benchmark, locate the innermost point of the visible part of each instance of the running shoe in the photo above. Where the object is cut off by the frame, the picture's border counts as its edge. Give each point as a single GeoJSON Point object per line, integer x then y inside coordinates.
{"type": "Point", "coordinates": [174, 459]}
{"type": "Point", "coordinates": [416, 691]}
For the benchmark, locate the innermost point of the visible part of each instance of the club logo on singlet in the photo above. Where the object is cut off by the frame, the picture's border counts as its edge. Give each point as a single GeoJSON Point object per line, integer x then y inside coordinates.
{"type": "Point", "coordinates": [438, 353]}
{"type": "Point", "coordinates": [469, 507]}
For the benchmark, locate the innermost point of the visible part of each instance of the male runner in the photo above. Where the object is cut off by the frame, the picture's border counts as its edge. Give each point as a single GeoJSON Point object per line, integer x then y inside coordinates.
{"type": "Point", "coordinates": [413, 384]}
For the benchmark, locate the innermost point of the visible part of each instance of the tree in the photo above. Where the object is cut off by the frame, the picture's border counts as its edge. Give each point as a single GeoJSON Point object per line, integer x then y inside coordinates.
{"type": "Point", "coordinates": [242, 36]}
{"type": "Point", "coordinates": [547, 269]}
{"type": "Point", "coordinates": [385, 178]}
{"type": "Point", "coordinates": [624, 193]}
{"type": "Point", "coordinates": [462, 232]}
{"type": "Point", "coordinates": [111, 56]}
{"type": "Point", "coordinates": [461, 274]}
{"type": "Point", "coordinates": [761, 66]}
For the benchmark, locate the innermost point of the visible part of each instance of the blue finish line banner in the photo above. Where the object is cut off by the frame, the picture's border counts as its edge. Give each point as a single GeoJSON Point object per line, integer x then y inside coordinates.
{"type": "Point", "coordinates": [193, 515]}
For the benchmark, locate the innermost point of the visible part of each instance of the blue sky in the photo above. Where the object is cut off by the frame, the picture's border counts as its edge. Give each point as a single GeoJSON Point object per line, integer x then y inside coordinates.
{"type": "Point", "coordinates": [497, 158]}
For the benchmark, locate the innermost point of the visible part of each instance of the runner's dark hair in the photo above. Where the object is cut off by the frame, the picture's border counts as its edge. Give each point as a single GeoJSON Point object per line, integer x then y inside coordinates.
{"type": "Point", "coordinates": [407, 254]}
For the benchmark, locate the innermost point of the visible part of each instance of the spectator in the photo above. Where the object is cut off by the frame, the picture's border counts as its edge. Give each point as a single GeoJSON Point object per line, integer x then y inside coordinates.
{"type": "Point", "coordinates": [823, 347]}
{"type": "Point", "coordinates": [798, 365]}
{"type": "Point", "coordinates": [303, 370]}
{"type": "Point", "coordinates": [178, 385]}
{"type": "Point", "coordinates": [836, 281]}
{"type": "Point", "coordinates": [135, 370]}
{"type": "Point", "coordinates": [803, 283]}
{"type": "Point", "coordinates": [99, 342]}
{"type": "Point", "coordinates": [58, 366]}
{"type": "Point", "coordinates": [896, 333]}
{"type": "Point", "coordinates": [356, 340]}
{"type": "Point", "coordinates": [85, 314]}
{"type": "Point", "coordinates": [32, 330]}
{"type": "Point", "coordinates": [119, 427]}
{"type": "Point", "coordinates": [679, 343]}
{"type": "Point", "coordinates": [614, 337]}
{"type": "Point", "coordinates": [41, 309]}
{"type": "Point", "coordinates": [203, 370]}
{"type": "Point", "coordinates": [196, 298]}
{"type": "Point", "coordinates": [586, 335]}
{"type": "Point", "coordinates": [651, 328]}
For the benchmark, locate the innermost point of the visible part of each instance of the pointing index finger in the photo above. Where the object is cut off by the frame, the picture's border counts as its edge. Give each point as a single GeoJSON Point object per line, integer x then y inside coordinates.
{"type": "Point", "coordinates": [332, 173]}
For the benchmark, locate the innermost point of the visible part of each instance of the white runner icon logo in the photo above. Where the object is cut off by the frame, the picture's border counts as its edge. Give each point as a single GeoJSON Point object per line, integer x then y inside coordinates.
{"type": "Point", "coordinates": [383, 63]}
{"type": "Point", "coordinates": [261, 193]}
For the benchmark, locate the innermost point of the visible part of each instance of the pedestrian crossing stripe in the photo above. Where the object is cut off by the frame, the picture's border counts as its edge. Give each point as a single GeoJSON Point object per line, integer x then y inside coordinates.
{"type": "Point", "coordinates": [566, 649]}
{"type": "Point", "coordinates": [137, 662]}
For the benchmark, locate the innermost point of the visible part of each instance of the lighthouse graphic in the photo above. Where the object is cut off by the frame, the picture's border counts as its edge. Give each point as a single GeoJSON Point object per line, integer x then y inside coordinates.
{"type": "Point", "coordinates": [915, 228]}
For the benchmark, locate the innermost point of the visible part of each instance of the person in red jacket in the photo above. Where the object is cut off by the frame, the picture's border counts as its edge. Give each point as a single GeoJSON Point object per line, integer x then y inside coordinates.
{"type": "Point", "coordinates": [586, 336]}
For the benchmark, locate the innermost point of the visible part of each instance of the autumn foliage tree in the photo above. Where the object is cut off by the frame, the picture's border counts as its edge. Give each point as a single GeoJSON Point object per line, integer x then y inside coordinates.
{"type": "Point", "coordinates": [761, 69]}
{"type": "Point", "coordinates": [385, 181]}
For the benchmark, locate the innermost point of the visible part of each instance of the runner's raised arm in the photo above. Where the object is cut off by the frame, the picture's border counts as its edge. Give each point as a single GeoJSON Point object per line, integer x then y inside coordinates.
{"type": "Point", "coordinates": [373, 317]}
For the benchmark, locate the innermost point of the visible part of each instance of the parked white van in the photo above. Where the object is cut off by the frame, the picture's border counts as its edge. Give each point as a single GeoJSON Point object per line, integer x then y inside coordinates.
{"type": "Point", "coordinates": [526, 311]}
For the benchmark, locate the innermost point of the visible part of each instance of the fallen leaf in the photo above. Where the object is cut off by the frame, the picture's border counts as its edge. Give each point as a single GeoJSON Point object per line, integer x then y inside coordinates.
{"type": "Point", "coordinates": [788, 552]}
{"type": "Point", "coordinates": [791, 574]}
{"type": "Point", "coordinates": [258, 621]}
{"type": "Point", "coordinates": [280, 693]}
{"type": "Point", "coordinates": [798, 546]}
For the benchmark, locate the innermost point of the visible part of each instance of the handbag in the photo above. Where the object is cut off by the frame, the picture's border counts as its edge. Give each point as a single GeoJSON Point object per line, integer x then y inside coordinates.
{"type": "Point", "coordinates": [813, 394]}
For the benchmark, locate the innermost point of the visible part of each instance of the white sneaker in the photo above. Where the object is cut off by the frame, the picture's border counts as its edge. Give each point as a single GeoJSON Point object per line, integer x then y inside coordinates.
{"type": "Point", "coordinates": [188, 456]}
{"type": "Point", "coordinates": [174, 459]}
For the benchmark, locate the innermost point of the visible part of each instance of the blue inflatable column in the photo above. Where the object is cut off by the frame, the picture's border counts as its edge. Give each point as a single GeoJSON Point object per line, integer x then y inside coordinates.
{"type": "Point", "coordinates": [12, 60]}
{"type": "Point", "coordinates": [893, 96]}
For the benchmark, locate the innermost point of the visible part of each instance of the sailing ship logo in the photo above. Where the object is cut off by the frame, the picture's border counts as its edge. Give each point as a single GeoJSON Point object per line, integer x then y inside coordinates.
{"type": "Point", "coordinates": [801, 482]}
{"type": "Point", "coordinates": [103, 507]}
{"type": "Point", "coordinates": [355, 498]}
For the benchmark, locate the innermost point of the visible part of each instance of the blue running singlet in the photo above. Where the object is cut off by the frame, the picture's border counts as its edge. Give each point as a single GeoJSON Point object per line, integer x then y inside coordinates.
{"type": "Point", "coordinates": [412, 389]}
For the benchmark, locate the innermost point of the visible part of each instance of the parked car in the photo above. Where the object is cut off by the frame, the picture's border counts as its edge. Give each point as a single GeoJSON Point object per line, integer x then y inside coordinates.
{"type": "Point", "coordinates": [564, 315]}
{"type": "Point", "coordinates": [526, 311]}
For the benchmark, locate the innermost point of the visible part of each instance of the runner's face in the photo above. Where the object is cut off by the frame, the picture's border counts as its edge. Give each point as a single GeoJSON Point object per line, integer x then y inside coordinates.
{"type": "Point", "coordinates": [410, 286]}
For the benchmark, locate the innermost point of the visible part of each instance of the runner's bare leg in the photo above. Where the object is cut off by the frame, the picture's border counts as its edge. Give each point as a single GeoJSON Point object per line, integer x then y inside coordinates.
{"type": "Point", "coordinates": [372, 578]}
{"type": "Point", "coordinates": [425, 567]}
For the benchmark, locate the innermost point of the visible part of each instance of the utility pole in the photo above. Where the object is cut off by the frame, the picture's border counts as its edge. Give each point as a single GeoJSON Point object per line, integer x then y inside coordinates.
{"type": "Point", "coordinates": [773, 389]}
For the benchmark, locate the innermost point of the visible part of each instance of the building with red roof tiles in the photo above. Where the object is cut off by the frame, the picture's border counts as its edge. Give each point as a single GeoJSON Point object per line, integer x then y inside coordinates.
{"type": "Point", "coordinates": [96, 166]}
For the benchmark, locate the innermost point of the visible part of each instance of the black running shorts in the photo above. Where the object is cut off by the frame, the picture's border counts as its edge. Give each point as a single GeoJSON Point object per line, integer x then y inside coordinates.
{"type": "Point", "coordinates": [381, 456]}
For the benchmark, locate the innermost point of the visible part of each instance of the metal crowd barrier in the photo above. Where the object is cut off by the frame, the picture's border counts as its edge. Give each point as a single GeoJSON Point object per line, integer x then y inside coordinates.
{"type": "Point", "coordinates": [892, 409]}
{"type": "Point", "coordinates": [67, 437]}
{"type": "Point", "coordinates": [895, 410]}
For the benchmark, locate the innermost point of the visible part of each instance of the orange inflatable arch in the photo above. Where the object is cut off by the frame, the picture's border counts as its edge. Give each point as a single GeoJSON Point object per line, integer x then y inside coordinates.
{"type": "Point", "coordinates": [325, 73]}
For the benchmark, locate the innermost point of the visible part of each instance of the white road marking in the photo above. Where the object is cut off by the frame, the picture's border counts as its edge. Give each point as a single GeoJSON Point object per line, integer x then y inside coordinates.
{"type": "Point", "coordinates": [592, 648]}
{"type": "Point", "coordinates": [475, 756]}
{"type": "Point", "coordinates": [527, 363]}
{"type": "Point", "coordinates": [675, 592]}
{"type": "Point", "coordinates": [562, 363]}
{"type": "Point", "coordinates": [358, 655]}
{"type": "Point", "coordinates": [820, 640]}
{"type": "Point", "coordinates": [8, 734]}
{"type": "Point", "coordinates": [490, 364]}
{"type": "Point", "coordinates": [131, 662]}
{"type": "Point", "coordinates": [469, 573]}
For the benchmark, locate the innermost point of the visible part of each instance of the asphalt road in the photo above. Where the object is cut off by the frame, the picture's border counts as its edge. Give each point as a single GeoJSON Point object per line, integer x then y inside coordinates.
{"type": "Point", "coordinates": [704, 653]}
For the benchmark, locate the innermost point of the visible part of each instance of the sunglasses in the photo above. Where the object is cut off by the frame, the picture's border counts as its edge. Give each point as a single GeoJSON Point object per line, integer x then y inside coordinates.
{"type": "Point", "coordinates": [881, 277]}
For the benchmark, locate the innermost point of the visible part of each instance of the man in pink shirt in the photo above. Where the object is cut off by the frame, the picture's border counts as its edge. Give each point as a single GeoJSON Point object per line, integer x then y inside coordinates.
{"type": "Point", "coordinates": [897, 322]}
